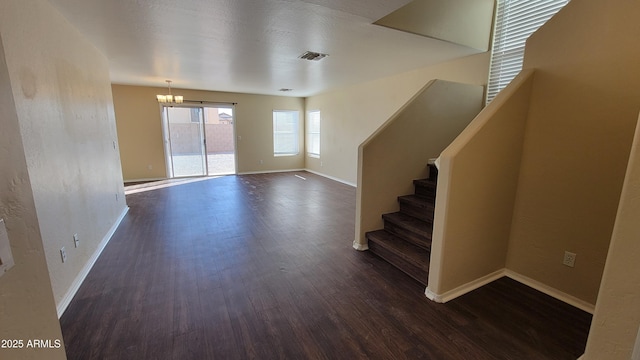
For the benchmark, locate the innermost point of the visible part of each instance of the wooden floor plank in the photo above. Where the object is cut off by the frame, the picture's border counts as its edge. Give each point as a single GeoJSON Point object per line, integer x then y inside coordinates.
{"type": "Point", "coordinates": [261, 266]}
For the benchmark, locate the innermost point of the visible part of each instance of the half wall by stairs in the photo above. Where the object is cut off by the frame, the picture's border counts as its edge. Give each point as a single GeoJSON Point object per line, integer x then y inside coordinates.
{"type": "Point", "coordinates": [396, 154]}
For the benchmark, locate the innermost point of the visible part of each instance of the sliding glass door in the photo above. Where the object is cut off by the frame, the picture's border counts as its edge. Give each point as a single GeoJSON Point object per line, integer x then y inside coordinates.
{"type": "Point", "coordinates": [184, 142]}
{"type": "Point", "coordinates": [199, 141]}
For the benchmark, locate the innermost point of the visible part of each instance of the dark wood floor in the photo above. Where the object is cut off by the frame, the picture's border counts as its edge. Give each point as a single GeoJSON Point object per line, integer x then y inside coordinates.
{"type": "Point", "coordinates": [261, 266]}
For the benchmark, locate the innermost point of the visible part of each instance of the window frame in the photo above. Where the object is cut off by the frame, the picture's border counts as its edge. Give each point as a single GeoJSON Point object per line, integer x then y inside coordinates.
{"type": "Point", "coordinates": [294, 132]}
{"type": "Point", "coordinates": [311, 133]}
{"type": "Point", "coordinates": [515, 21]}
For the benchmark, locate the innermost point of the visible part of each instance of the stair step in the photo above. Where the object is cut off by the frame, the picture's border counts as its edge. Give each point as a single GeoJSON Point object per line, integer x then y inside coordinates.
{"type": "Point", "coordinates": [425, 188]}
{"type": "Point", "coordinates": [412, 229]}
{"type": "Point", "coordinates": [417, 206]}
{"type": "Point", "coordinates": [409, 258]}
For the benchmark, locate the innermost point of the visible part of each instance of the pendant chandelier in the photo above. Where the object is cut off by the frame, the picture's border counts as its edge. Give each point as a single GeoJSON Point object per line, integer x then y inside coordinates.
{"type": "Point", "coordinates": [178, 99]}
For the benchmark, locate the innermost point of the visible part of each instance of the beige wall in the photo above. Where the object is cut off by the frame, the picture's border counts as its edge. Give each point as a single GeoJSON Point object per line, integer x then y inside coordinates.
{"type": "Point", "coordinates": [27, 308]}
{"type": "Point", "coordinates": [477, 185]}
{"type": "Point", "coordinates": [583, 112]}
{"type": "Point", "coordinates": [62, 93]}
{"type": "Point", "coordinates": [350, 115]}
{"type": "Point", "coordinates": [398, 152]}
{"type": "Point", "coordinates": [580, 118]}
{"type": "Point", "coordinates": [464, 22]}
{"type": "Point", "coordinates": [140, 129]}
{"type": "Point", "coordinates": [616, 320]}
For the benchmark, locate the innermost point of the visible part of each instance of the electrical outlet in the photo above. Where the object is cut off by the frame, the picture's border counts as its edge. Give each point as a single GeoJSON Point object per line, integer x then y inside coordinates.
{"type": "Point", "coordinates": [63, 254]}
{"type": "Point", "coordinates": [76, 240]}
{"type": "Point", "coordinates": [569, 259]}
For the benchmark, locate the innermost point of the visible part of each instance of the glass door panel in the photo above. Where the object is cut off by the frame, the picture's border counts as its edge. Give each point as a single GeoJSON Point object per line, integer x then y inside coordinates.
{"type": "Point", "coordinates": [220, 139]}
{"type": "Point", "coordinates": [184, 141]}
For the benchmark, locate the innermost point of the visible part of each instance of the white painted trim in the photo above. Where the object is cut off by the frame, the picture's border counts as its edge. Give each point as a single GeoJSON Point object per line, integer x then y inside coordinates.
{"type": "Point", "coordinates": [66, 300]}
{"type": "Point", "coordinates": [268, 171]}
{"type": "Point", "coordinates": [463, 289]}
{"type": "Point", "coordinates": [331, 178]}
{"type": "Point", "coordinates": [466, 288]}
{"type": "Point", "coordinates": [145, 179]}
{"type": "Point", "coordinates": [432, 296]}
{"type": "Point", "coordinates": [564, 297]}
{"type": "Point", "coordinates": [360, 247]}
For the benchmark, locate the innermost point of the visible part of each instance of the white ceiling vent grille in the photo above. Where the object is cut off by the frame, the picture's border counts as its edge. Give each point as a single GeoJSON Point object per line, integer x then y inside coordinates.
{"type": "Point", "coordinates": [313, 56]}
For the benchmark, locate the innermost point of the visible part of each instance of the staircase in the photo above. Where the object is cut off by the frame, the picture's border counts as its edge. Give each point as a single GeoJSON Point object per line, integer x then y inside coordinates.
{"type": "Point", "coordinates": [405, 241]}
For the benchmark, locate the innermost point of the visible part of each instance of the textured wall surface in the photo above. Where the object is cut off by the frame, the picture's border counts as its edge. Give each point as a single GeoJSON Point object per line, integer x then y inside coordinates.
{"type": "Point", "coordinates": [477, 185]}
{"type": "Point", "coordinates": [583, 112]}
{"type": "Point", "coordinates": [616, 320]}
{"type": "Point", "coordinates": [62, 93]}
{"type": "Point", "coordinates": [27, 308]}
{"type": "Point", "coordinates": [351, 114]}
{"type": "Point", "coordinates": [419, 131]}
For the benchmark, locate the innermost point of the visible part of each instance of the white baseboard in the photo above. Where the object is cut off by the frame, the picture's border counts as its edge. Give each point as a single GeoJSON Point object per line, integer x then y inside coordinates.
{"type": "Point", "coordinates": [268, 171]}
{"type": "Point", "coordinates": [331, 178]}
{"type": "Point", "coordinates": [466, 288]}
{"type": "Point", "coordinates": [564, 297]}
{"type": "Point", "coordinates": [432, 296]}
{"type": "Point", "coordinates": [360, 247]}
{"type": "Point", "coordinates": [66, 300]}
{"type": "Point", "coordinates": [144, 180]}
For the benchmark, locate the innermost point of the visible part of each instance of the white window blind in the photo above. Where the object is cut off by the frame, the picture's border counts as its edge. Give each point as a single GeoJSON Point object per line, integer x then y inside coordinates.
{"type": "Point", "coordinates": [313, 134]}
{"type": "Point", "coordinates": [515, 21]}
{"type": "Point", "coordinates": [285, 132]}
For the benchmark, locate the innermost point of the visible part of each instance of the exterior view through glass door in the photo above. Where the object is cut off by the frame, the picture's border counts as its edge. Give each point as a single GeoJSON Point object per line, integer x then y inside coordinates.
{"type": "Point", "coordinates": [199, 141]}
{"type": "Point", "coordinates": [219, 129]}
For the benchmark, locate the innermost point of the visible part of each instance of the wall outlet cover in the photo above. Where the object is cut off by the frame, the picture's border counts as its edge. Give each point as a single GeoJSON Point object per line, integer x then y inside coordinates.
{"type": "Point", "coordinates": [569, 259]}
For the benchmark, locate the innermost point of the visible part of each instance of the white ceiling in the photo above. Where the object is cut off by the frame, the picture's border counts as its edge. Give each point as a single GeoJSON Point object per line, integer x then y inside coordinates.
{"type": "Point", "coordinates": [252, 46]}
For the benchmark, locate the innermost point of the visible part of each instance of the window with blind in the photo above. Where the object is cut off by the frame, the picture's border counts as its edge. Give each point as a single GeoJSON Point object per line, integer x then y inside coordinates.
{"type": "Point", "coordinates": [285, 132]}
{"type": "Point", "coordinates": [313, 133]}
{"type": "Point", "coordinates": [515, 21]}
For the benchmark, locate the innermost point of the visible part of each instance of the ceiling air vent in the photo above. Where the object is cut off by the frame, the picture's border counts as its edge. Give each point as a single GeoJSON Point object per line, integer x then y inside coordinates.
{"type": "Point", "coordinates": [310, 55]}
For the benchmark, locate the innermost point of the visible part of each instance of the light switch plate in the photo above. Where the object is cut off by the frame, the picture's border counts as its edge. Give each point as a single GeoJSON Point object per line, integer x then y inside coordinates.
{"type": "Point", "coordinates": [6, 257]}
